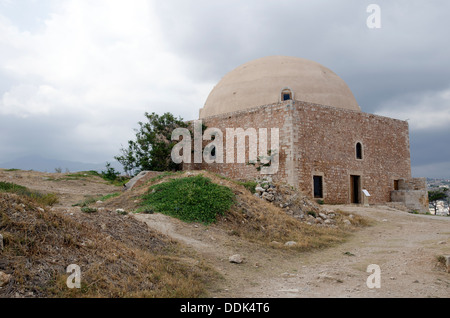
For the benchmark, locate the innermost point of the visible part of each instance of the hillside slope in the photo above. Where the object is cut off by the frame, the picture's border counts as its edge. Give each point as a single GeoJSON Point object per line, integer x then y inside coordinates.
{"type": "Point", "coordinates": [126, 254]}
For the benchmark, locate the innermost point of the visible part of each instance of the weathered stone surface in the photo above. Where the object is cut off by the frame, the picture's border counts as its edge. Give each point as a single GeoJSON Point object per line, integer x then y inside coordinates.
{"type": "Point", "coordinates": [323, 216]}
{"type": "Point", "coordinates": [320, 140]}
{"type": "Point", "coordinates": [236, 259]}
{"type": "Point", "coordinates": [259, 189]}
{"type": "Point", "coordinates": [4, 279]}
{"type": "Point", "coordinates": [268, 196]}
{"type": "Point", "coordinates": [447, 262]}
{"type": "Point", "coordinates": [141, 178]}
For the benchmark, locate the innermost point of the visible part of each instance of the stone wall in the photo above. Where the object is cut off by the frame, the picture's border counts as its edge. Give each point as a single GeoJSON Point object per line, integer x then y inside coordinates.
{"type": "Point", "coordinates": [325, 145]}
{"type": "Point", "coordinates": [413, 193]}
{"type": "Point", "coordinates": [321, 140]}
{"type": "Point", "coordinates": [412, 184]}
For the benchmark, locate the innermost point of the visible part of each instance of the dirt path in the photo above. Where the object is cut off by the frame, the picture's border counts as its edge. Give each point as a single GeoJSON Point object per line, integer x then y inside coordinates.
{"type": "Point", "coordinates": [405, 246]}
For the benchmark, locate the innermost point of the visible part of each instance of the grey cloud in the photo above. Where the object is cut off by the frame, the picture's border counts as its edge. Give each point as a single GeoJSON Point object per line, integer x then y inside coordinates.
{"type": "Point", "coordinates": [409, 54]}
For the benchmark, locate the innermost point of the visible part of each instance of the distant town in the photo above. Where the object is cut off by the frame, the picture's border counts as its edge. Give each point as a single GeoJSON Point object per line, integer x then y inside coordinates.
{"type": "Point", "coordinates": [442, 206]}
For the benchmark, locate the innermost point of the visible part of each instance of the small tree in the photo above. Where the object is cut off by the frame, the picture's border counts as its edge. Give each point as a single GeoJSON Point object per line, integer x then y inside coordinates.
{"type": "Point", "coordinates": [110, 174]}
{"type": "Point", "coordinates": [437, 195]}
{"type": "Point", "coordinates": [153, 145]}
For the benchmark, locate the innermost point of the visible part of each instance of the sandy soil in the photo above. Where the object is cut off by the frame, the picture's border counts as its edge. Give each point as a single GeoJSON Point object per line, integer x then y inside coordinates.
{"type": "Point", "coordinates": [405, 246]}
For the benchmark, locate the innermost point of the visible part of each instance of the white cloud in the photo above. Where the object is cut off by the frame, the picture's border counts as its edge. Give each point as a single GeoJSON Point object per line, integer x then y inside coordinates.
{"type": "Point", "coordinates": [99, 64]}
{"type": "Point", "coordinates": [430, 110]}
{"type": "Point", "coordinates": [79, 74]}
{"type": "Point", "coordinates": [94, 56]}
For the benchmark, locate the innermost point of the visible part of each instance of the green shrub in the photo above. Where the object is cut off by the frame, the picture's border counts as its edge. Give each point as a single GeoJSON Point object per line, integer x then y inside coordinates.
{"type": "Point", "coordinates": [192, 199]}
{"type": "Point", "coordinates": [110, 174]}
{"type": "Point", "coordinates": [88, 210]}
{"type": "Point", "coordinates": [109, 196]}
{"type": "Point", "coordinates": [312, 213]}
{"type": "Point", "coordinates": [249, 185]}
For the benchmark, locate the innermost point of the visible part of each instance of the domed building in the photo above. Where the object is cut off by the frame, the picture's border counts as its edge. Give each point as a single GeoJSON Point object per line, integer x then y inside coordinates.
{"type": "Point", "coordinates": [325, 145]}
{"type": "Point", "coordinates": [275, 79]}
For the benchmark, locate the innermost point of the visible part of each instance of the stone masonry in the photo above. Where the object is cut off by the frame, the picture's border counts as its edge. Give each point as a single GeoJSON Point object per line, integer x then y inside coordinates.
{"type": "Point", "coordinates": [317, 140]}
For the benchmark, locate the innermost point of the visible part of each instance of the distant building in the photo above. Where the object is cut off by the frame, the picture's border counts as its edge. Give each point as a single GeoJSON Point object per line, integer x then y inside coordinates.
{"type": "Point", "coordinates": [441, 209]}
{"type": "Point", "coordinates": [329, 148]}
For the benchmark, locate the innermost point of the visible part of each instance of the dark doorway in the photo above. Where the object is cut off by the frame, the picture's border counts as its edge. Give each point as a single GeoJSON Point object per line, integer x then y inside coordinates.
{"type": "Point", "coordinates": [318, 187]}
{"type": "Point", "coordinates": [396, 187]}
{"type": "Point", "coordinates": [355, 189]}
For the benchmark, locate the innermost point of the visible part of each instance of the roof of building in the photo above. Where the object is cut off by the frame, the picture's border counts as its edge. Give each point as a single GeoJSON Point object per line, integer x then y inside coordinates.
{"type": "Point", "coordinates": [262, 81]}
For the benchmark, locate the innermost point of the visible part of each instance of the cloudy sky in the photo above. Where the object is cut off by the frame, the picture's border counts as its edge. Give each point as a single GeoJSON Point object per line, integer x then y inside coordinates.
{"type": "Point", "coordinates": [77, 75]}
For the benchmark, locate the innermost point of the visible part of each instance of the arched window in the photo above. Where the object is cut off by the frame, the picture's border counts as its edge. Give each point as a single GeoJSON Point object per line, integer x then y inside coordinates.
{"type": "Point", "coordinates": [286, 94]}
{"type": "Point", "coordinates": [359, 151]}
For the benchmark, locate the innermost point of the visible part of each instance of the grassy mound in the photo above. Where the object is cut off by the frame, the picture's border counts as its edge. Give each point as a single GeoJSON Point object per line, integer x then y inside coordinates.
{"type": "Point", "coordinates": [191, 199]}
{"type": "Point", "coordinates": [231, 205]}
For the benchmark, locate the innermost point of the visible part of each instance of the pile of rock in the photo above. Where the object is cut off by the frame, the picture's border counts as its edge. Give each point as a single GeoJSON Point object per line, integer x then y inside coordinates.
{"type": "Point", "coordinates": [266, 192]}
{"type": "Point", "coordinates": [294, 203]}
{"type": "Point", "coordinates": [322, 218]}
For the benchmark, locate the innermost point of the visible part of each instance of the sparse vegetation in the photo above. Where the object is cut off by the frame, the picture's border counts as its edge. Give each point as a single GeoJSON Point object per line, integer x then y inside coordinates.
{"type": "Point", "coordinates": [132, 262]}
{"type": "Point", "coordinates": [87, 209]}
{"type": "Point", "coordinates": [109, 196]}
{"type": "Point", "coordinates": [40, 198]}
{"type": "Point", "coordinates": [192, 199]}
{"type": "Point", "coordinates": [249, 185]}
{"type": "Point", "coordinates": [110, 173]}
{"type": "Point", "coordinates": [312, 213]}
{"type": "Point", "coordinates": [248, 217]}
{"type": "Point", "coordinates": [92, 199]}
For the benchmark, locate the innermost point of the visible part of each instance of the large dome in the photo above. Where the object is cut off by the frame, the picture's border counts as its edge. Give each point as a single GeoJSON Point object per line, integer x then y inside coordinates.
{"type": "Point", "coordinates": [266, 81]}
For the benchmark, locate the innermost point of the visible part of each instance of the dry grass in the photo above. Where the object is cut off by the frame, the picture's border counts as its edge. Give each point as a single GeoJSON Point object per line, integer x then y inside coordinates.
{"type": "Point", "coordinates": [260, 221]}
{"type": "Point", "coordinates": [121, 257]}
{"type": "Point", "coordinates": [125, 259]}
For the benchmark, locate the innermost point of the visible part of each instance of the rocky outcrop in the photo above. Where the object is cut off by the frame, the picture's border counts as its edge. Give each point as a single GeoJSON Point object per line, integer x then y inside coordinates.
{"type": "Point", "coordinates": [294, 202]}
{"type": "Point", "coordinates": [141, 178]}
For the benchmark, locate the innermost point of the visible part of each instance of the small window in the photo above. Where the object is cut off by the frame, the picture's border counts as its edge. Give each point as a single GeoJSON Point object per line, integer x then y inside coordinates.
{"type": "Point", "coordinates": [359, 152]}
{"type": "Point", "coordinates": [286, 94]}
{"type": "Point", "coordinates": [318, 187]}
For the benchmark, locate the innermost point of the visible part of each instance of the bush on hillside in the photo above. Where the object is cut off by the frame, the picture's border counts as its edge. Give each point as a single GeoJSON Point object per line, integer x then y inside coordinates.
{"type": "Point", "coordinates": [192, 199]}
